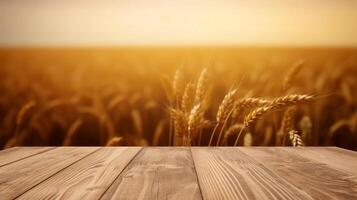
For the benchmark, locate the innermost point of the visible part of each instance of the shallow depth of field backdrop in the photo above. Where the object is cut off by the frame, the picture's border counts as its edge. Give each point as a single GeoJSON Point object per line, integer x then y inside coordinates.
{"type": "Point", "coordinates": [139, 73]}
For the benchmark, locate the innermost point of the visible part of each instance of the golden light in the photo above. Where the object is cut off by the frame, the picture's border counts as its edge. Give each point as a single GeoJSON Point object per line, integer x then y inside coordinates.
{"type": "Point", "coordinates": [139, 22]}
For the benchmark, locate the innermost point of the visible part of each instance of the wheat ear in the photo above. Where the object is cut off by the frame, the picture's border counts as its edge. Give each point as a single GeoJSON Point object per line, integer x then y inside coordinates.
{"type": "Point", "coordinates": [290, 75]}
{"type": "Point", "coordinates": [225, 109]}
{"type": "Point", "coordinates": [180, 125]}
{"type": "Point", "coordinates": [226, 106]}
{"type": "Point", "coordinates": [201, 88]}
{"type": "Point", "coordinates": [194, 120]}
{"type": "Point", "coordinates": [287, 123]}
{"type": "Point", "coordinates": [290, 100]}
{"type": "Point", "coordinates": [188, 97]}
{"type": "Point", "coordinates": [278, 103]}
{"type": "Point", "coordinates": [248, 103]}
{"type": "Point", "coordinates": [177, 85]}
{"type": "Point", "coordinates": [295, 139]}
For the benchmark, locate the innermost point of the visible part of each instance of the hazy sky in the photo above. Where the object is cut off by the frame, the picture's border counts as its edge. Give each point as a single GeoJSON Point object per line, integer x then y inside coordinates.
{"type": "Point", "coordinates": [184, 22]}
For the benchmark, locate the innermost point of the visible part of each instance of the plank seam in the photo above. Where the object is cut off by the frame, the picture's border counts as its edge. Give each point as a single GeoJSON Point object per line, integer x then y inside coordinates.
{"type": "Point", "coordinates": [194, 167]}
{"type": "Point", "coordinates": [105, 191]}
{"type": "Point", "coordinates": [57, 172]}
{"type": "Point", "coordinates": [44, 151]}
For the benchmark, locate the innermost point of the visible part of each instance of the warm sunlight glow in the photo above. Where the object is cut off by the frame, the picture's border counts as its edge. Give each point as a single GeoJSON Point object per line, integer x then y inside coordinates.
{"type": "Point", "coordinates": [188, 22]}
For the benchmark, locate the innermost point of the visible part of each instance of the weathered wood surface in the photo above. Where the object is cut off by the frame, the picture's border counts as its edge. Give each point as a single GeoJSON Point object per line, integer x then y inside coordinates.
{"type": "Point", "coordinates": [318, 180]}
{"type": "Point", "coordinates": [88, 179]}
{"type": "Point", "coordinates": [158, 173]}
{"type": "Point", "coordinates": [178, 173]}
{"type": "Point", "coordinates": [19, 177]}
{"type": "Point", "coordinates": [14, 154]}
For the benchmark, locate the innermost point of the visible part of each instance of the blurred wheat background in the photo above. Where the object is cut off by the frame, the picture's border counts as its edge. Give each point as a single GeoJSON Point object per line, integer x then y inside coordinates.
{"type": "Point", "coordinates": [178, 96]}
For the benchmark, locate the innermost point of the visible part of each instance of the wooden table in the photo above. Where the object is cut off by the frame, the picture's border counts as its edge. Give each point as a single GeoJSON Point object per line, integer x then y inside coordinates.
{"type": "Point", "coordinates": [178, 173]}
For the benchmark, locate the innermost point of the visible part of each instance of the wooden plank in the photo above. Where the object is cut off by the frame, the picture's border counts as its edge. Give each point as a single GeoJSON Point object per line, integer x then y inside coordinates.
{"type": "Point", "coordinates": [86, 179]}
{"type": "Point", "coordinates": [227, 173]}
{"type": "Point", "coordinates": [157, 173]}
{"type": "Point", "coordinates": [319, 180]}
{"type": "Point", "coordinates": [18, 177]}
{"type": "Point", "coordinates": [14, 154]}
{"type": "Point", "coordinates": [337, 158]}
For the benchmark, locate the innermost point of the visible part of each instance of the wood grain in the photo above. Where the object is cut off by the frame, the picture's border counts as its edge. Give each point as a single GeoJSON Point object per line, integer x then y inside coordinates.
{"type": "Point", "coordinates": [14, 154]}
{"type": "Point", "coordinates": [227, 173]}
{"type": "Point", "coordinates": [18, 177]}
{"type": "Point", "coordinates": [178, 173]}
{"type": "Point", "coordinates": [319, 180]}
{"type": "Point", "coordinates": [157, 173]}
{"type": "Point", "coordinates": [336, 158]}
{"type": "Point", "coordinates": [87, 179]}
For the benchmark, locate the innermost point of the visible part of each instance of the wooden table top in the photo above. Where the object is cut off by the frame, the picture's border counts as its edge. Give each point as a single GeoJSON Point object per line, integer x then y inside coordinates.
{"type": "Point", "coordinates": [178, 173]}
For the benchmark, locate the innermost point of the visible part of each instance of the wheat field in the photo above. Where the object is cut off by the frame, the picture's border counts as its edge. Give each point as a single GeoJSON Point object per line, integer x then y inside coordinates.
{"type": "Point", "coordinates": [178, 96]}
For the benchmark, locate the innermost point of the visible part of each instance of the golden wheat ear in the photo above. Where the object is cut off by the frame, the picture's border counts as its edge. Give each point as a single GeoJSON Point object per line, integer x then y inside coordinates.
{"type": "Point", "coordinates": [290, 100]}
{"type": "Point", "coordinates": [287, 124]}
{"type": "Point", "coordinates": [225, 110]}
{"type": "Point", "coordinates": [276, 104]}
{"type": "Point", "coordinates": [201, 87]}
{"type": "Point", "coordinates": [254, 115]}
{"type": "Point", "coordinates": [194, 121]}
{"type": "Point", "coordinates": [188, 97]}
{"type": "Point", "coordinates": [180, 125]}
{"type": "Point", "coordinates": [226, 106]}
{"type": "Point", "coordinates": [295, 139]}
{"type": "Point", "coordinates": [177, 84]}
{"type": "Point", "coordinates": [290, 75]}
{"type": "Point", "coordinates": [249, 103]}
